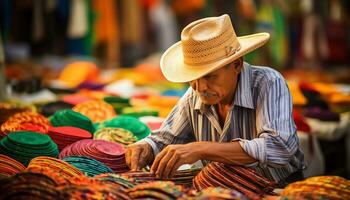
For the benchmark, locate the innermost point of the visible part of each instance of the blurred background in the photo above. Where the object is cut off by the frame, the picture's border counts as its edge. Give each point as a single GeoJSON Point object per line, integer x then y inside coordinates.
{"type": "Point", "coordinates": [78, 50]}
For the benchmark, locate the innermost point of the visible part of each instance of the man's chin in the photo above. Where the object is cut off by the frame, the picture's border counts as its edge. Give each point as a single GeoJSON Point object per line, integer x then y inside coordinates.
{"type": "Point", "coordinates": [209, 101]}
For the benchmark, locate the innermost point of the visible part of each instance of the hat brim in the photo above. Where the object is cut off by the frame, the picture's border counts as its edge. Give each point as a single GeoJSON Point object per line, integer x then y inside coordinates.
{"type": "Point", "coordinates": [176, 70]}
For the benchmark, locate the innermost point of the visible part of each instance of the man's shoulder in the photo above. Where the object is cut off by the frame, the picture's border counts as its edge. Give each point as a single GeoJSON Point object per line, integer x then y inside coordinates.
{"type": "Point", "coordinates": [264, 75]}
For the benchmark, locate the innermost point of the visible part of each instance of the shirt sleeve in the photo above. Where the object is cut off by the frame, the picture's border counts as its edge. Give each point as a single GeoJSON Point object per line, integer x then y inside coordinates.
{"type": "Point", "coordinates": [176, 129]}
{"type": "Point", "coordinates": [277, 141]}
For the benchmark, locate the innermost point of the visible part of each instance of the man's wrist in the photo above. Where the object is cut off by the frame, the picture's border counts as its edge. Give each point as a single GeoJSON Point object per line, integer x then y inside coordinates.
{"type": "Point", "coordinates": [199, 149]}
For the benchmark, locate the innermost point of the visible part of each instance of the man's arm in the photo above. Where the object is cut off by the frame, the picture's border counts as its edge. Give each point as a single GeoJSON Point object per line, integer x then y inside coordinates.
{"type": "Point", "coordinates": [173, 156]}
{"type": "Point", "coordinates": [176, 129]}
{"type": "Point", "coordinates": [277, 141]}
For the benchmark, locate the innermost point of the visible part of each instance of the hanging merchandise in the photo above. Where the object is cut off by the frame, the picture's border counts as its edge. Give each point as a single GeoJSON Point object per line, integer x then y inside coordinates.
{"type": "Point", "coordinates": [313, 40]}
{"type": "Point", "coordinates": [271, 19]}
{"type": "Point", "coordinates": [164, 20]}
{"type": "Point", "coordinates": [107, 31]}
{"type": "Point", "coordinates": [336, 34]}
{"type": "Point", "coordinates": [77, 24]}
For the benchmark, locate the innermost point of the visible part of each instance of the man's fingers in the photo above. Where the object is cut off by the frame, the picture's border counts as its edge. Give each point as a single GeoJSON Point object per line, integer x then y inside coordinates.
{"type": "Point", "coordinates": [135, 154]}
{"type": "Point", "coordinates": [163, 163]}
{"type": "Point", "coordinates": [157, 160]}
{"type": "Point", "coordinates": [173, 160]}
{"type": "Point", "coordinates": [128, 156]}
{"type": "Point", "coordinates": [175, 167]}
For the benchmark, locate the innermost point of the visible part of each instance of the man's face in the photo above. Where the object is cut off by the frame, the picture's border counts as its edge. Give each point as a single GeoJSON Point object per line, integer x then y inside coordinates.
{"type": "Point", "coordinates": [218, 86]}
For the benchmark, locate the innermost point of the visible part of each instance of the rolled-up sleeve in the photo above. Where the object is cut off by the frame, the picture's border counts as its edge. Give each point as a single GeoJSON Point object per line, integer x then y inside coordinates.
{"type": "Point", "coordinates": [176, 129]}
{"type": "Point", "coordinates": [277, 141]}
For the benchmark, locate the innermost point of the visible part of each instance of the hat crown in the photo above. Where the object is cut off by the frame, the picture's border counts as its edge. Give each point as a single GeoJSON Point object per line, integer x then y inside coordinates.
{"type": "Point", "coordinates": [209, 40]}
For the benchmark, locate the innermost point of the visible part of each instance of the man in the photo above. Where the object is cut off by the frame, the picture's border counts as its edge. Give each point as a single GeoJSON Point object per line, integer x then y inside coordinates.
{"type": "Point", "coordinates": [233, 112]}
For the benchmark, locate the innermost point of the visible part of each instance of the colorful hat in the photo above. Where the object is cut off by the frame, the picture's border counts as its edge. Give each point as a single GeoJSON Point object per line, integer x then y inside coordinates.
{"type": "Point", "coordinates": [89, 166]}
{"type": "Point", "coordinates": [242, 179]}
{"type": "Point", "coordinates": [111, 154]}
{"type": "Point", "coordinates": [96, 110]}
{"type": "Point", "coordinates": [9, 166]}
{"type": "Point", "coordinates": [207, 45]}
{"type": "Point", "coordinates": [72, 118]}
{"type": "Point", "coordinates": [132, 124]}
{"type": "Point", "coordinates": [29, 185]}
{"type": "Point", "coordinates": [27, 120]}
{"type": "Point", "coordinates": [62, 172]}
{"type": "Point", "coordinates": [156, 190]}
{"type": "Point", "coordinates": [66, 135]}
{"type": "Point", "coordinates": [118, 135]}
{"type": "Point", "coordinates": [318, 187]}
{"type": "Point", "coordinates": [25, 145]}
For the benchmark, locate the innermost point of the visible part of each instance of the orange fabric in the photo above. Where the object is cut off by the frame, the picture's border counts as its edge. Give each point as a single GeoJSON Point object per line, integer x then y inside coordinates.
{"type": "Point", "coordinates": [77, 72]}
{"type": "Point", "coordinates": [106, 21]}
{"type": "Point", "coordinates": [298, 97]}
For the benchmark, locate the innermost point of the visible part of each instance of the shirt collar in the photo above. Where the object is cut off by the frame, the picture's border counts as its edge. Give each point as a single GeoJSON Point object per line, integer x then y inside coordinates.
{"type": "Point", "coordinates": [243, 94]}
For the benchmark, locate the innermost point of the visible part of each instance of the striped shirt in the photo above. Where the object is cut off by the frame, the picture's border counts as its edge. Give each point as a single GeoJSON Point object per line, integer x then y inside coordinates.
{"type": "Point", "coordinates": [260, 119]}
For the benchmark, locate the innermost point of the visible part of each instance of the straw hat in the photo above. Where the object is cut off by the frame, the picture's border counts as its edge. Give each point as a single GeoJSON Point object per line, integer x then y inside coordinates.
{"type": "Point", "coordinates": [206, 45]}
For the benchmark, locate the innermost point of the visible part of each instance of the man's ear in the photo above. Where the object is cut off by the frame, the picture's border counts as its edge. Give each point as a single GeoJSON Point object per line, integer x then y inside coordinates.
{"type": "Point", "coordinates": [238, 65]}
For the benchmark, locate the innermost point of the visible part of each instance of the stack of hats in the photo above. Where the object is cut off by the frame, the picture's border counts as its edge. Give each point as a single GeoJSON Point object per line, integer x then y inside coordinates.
{"type": "Point", "coordinates": [132, 124]}
{"type": "Point", "coordinates": [52, 107]}
{"type": "Point", "coordinates": [242, 179]}
{"type": "Point", "coordinates": [116, 179]}
{"type": "Point", "coordinates": [111, 154]}
{"type": "Point", "coordinates": [25, 121]}
{"type": "Point", "coordinates": [92, 189]}
{"type": "Point", "coordinates": [61, 171]}
{"type": "Point", "coordinates": [181, 177]}
{"type": "Point", "coordinates": [72, 118]}
{"type": "Point", "coordinates": [118, 103]}
{"type": "Point", "coordinates": [76, 73]}
{"type": "Point", "coordinates": [219, 193]}
{"type": "Point", "coordinates": [9, 166]}
{"type": "Point", "coordinates": [318, 187]}
{"type": "Point", "coordinates": [156, 190]}
{"type": "Point", "coordinates": [28, 185]}
{"type": "Point", "coordinates": [89, 166]}
{"type": "Point", "coordinates": [96, 110]}
{"type": "Point", "coordinates": [66, 135]}
{"type": "Point", "coordinates": [118, 135]}
{"type": "Point", "coordinates": [25, 145]}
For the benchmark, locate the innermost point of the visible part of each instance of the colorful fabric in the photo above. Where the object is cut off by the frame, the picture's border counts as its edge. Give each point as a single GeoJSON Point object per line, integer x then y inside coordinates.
{"type": "Point", "coordinates": [261, 120]}
{"type": "Point", "coordinates": [318, 187]}
{"type": "Point", "coordinates": [111, 154]}
{"type": "Point", "coordinates": [25, 121]}
{"type": "Point", "coordinates": [95, 110]}
{"type": "Point", "coordinates": [242, 179]}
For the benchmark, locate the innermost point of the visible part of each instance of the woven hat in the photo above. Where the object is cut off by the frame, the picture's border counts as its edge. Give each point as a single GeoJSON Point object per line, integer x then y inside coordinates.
{"type": "Point", "coordinates": [206, 45]}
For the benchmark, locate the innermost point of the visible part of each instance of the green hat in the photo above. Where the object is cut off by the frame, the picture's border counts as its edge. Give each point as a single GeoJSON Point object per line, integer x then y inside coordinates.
{"type": "Point", "coordinates": [72, 118]}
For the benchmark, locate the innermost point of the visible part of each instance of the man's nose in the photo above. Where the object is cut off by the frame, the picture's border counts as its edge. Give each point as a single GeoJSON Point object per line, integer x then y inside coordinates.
{"type": "Point", "coordinates": [201, 85]}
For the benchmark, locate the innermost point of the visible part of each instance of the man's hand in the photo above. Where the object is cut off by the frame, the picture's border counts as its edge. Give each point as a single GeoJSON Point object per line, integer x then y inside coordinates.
{"type": "Point", "coordinates": [138, 155]}
{"type": "Point", "coordinates": [173, 156]}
